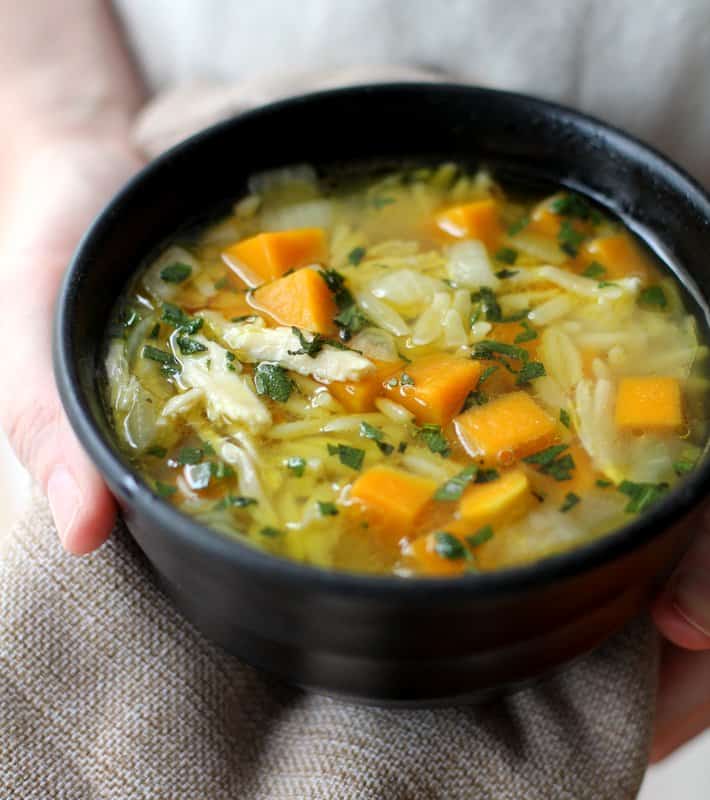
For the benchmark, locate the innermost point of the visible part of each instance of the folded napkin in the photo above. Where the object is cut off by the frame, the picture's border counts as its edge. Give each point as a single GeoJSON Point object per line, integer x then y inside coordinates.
{"type": "Point", "coordinates": [107, 693]}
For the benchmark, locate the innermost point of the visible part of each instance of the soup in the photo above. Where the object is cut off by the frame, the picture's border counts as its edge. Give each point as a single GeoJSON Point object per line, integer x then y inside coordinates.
{"type": "Point", "coordinates": [417, 373]}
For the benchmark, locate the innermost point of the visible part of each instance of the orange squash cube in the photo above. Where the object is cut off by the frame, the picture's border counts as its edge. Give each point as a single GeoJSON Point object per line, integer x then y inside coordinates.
{"type": "Point", "coordinates": [505, 429]}
{"type": "Point", "coordinates": [301, 299]}
{"type": "Point", "coordinates": [503, 500]}
{"type": "Point", "coordinates": [438, 389]}
{"type": "Point", "coordinates": [428, 562]}
{"type": "Point", "coordinates": [267, 256]}
{"type": "Point", "coordinates": [391, 498]}
{"type": "Point", "coordinates": [620, 255]}
{"type": "Point", "coordinates": [649, 403]}
{"type": "Point", "coordinates": [359, 396]}
{"type": "Point", "coordinates": [477, 220]}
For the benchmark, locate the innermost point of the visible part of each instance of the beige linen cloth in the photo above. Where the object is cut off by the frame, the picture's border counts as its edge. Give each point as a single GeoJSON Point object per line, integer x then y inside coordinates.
{"type": "Point", "coordinates": [106, 693]}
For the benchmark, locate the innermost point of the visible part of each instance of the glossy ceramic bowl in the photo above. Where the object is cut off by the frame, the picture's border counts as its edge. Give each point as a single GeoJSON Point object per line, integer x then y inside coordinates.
{"type": "Point", "coordinates": [386, 639]}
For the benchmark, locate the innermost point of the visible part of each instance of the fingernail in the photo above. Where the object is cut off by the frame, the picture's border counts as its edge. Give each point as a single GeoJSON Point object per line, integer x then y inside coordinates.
{"type": "Point", "coordinates": [691, 598]}
{"type": "Point", "coordinates": [64, 500]}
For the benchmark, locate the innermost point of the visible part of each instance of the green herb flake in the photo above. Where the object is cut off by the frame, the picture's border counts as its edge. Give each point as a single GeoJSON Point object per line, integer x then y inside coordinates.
{"type": "Point", "coordinates": [595, 271]}
{"type": "Point", "coordinates": [490, 349]}
{"type": "Point", "coordinates": [506, 255]}
{"type": "Point", "coordinates": [575, 207]}
{"type": "Point", "coordinates": [190, 455]}
{"type": "Point", "coordinates": [198, 475]}
{"type": "Point", "coordinates": [244, 318]}
{"type": "Point", "coordinates": [480, 537]}
{"type": "Point", "coordinates": [434, 439]}
{"type": "Point", "coordinates": [356, 255]}
{"type": "Point", "coordinates": [453, 488]}
{"type": "Point", "coordinates": [349, 456]}
{"type": "Point", "coordinates": [235, 501]}
{"type": "Point", "coordinates": [569, 239]}
{"type": "Point", "coordinates": [475, 398]}
{"type": "Point", "coordinates": [487, 372]}
{"type": "Point", "coordinates": [157, 451]}
{"type": "Point", "coordinates": [448, 546]}
{"type": "Point", "coordinates": [272, 380]}
{"type": "Point", "coordinates": [683, 466]}
{"type": "Point", "coordinates": [402, 447]}
{"type": "Point", "coordinates": [385, 448]}
{"type": "Point", "coordinates": [220, 470]}
{"type": "Point", "coordinates": [169, 365]}
{"type": "Point", "coordinates": [529, 372]}
{"type": "Point", "coordinates": [502, 274]}
{"type": "Point", "coordinates": [603, 483]}
{"type": "Point", "coordinates": [519, 225]}
{"type": "Point", "coordinates": [189, 347]}
{"type": "Point", "coordinates": [351, 320]}
{"type": "Point", "coordinates": [154, 331]}
{"type": "Point", "coordinates": [641, 495]}
{"type": "Point", "coordinates": [270, 532]}
{"type": "Point", "coordinates": [297, 465]}
{"type": "Point", "coordinates": [489, 304]}
{"type": "Point", "coordinates": [529, 333]}
{"type": "Point", "coordinates": [653, 296]}
{"type": "Point", "coordinates": [308, 348]}
{"type": "Point", "coordinates": [164, 489]}
{"type": "Point", "coordinates": [326, 509]}
{"type": "Point", "coordinates": [553, 461]}
{"type": "Point", "coordinates": [370, 431]}
{"type": "Point", "coordinates": [380, 202]}
{"type": "Point", "coordinates": [487, 475]}
{"type": "Point", "coordinates": [570, 501]}
{"type": "Point", "coordinates": [565, 418]}
{"type": "Point", "coordinates": [176, 317]}
{"type": "Point", "coordinates": [176, 272]}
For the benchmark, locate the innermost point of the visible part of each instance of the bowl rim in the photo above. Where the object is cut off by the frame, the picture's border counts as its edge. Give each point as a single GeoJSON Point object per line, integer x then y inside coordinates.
{"type": "Point", "coordinates": [688, 494]}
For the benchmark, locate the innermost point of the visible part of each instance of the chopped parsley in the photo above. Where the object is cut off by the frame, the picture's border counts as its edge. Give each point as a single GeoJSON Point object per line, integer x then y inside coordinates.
{"type": "Point", "coordinates": [356, 255]}
{"type": "Point", "coordinates": [502, 274]}
{"type": "Point", "coordinates": [179, 319]}
{"type": "Point", "coordinates": [176, 272]}
{"type": "Point", "coordinates": [297, 465]}
{"type": "Point", "coordinates": [154, 331]}
{"type": "Point", "coordinates": [487, 372]}
{"type": "Point", "coordinates": [603, 483]}
{"type": "Point", "coordinates": [490, 349]}
{"type": "Point", "coordinates": [327, 509]}
{"type": "Point", "coordinates": [350, 317]}
{"type": "Point", "coordinates": [575, 207]}
{"type": "Point", "coordinates": [480, 536]}
{"type": "Point", "coordinates": [518, 225]}
{"type": "Point", "coordinates": [158, 451]}
{"type": "Point", "coordinates": [270, 532]}
{"type": "Point", "coordinates": [434, 439]}
{"type": "Point", "coordinates": [570, 501]}
{"type": "Point", "coordinates": [370, 431]}
{"type": "Point", "coordinates": [454, 487]}
{"type": "Point", "coordinates": [349, 456]}
{"type": "Point", "coordinates": [220, 470]}
{"type": "Point", "coordinates": [448, 546]}
{"type": "Point", "coordinates": [385, 448]}
{"type": "Point", "coordinates": [683, 466]}
{"type": "Point", "coordinates": [551, 461]}
{"type": "Point", "coordinates": [641, 495]}
{"type": "Point", "coordinates": [164, 489]}
{"type": "Point", "coordinates": [653, 296]}
{"type": "Point", "coordinates": [229, 358]}
{"type": "Point", "coordinates": [487, 475]}
{"type": "Point", "coordinates": [308, 348]}
{"type": "Point", "coordinates": [198, 475]}
{"type": "Point", "coordinates": [529, 372]}
{"type": "Point", "coordinates": [273, 380]}
{"type": "Point", "coordinates": [527, 335]}
{"type": "Point", "coordinates": [244, 318]}
{"type": "Point", "coordinates": [475, 398]}
{"type": "Point", "coordinates": [506, 255]}
{"type": "Point", "coordinates": [189, 346]}
{"type": "Point", "coordinates": [595, 271]}
{"type": "Point", "coordinates": [169, 365]}
{"type": "Point", "coordinates": [569, 239]}
{"type": "Point", "coordinates": [235, 501]}
{"type": "Point", "coordinates": [489, 304]}
{"type": "Point", "coordinates": [565, 418]}
{"type": "Point", "coordinates": [402, 447]}
{"type": "Point", "coordinates": [190, 455]}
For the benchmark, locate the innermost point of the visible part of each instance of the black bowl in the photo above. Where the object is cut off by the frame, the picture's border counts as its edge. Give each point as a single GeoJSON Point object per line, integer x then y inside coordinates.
{"type": "Point", "coordinates": [386, 639]}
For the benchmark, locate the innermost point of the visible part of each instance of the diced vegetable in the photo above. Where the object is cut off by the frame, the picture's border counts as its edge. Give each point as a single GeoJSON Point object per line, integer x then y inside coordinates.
{"type": "Point", "coordinates": [477, 220]}
{"type": "Point", "coordinates": [301, 299]}
{"type": "Point", "coordinates": [649, 403]}
{"type": "Point", "coordinates": [359, 396]}
{"type": "Point", "coordinates": [619, 255]}
{"type": "Point", "coordinates": [434, 388]}
{"type": "Point", "coordinates": [503, 500]}
{"type": "Point", "coordinates": [433, 558]}
{"type": "Point", "coordinates": [267, 256]}
{"type": "Point", "coordinates": [391, 498]}
{"type": "Point", "coordinates": [505, 429]}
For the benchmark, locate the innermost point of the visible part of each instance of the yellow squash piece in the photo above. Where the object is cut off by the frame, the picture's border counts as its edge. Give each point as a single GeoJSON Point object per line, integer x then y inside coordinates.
{"type": "Point", "coordinates": [503, 500]}
{"type": "Point", "coordinates": [428, 562]}
{"type": "Point", "coordinates": [434, 388]}
{"type": "Point", "coordinates": [301, 299]}
{"type": "Point", "coordinates": [477, 220]}
{"type": "Point", "coordinates": [505, 429]}
{"type": "Point", "coordinates": [392, 499]}
{"type": "Point", "coordinates": [649, 403]}
{"type": "Point", "coordinates": [267, 256]}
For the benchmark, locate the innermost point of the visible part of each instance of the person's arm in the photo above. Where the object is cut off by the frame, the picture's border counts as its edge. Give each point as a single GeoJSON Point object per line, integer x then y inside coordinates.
{"type": "Point", "coordinates": [68, 90]}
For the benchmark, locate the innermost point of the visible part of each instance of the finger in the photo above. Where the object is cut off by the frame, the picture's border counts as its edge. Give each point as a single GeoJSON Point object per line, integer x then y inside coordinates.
{"type": "Point", "coordinates": [682, 611]}
{"type": "Point", "coordinates": [683, 706]}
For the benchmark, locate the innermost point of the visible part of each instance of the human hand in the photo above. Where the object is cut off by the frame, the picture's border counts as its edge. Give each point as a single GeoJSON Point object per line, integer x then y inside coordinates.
{"type": "Point", "coordinates": [682, 614]}
{"type": "Point", "coordinates": [48, 197]}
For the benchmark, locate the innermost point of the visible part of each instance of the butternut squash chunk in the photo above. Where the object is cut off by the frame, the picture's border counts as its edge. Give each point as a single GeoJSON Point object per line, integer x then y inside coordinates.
{"type": "Point", "coordinates": [267, 256]}
{"type": "Point", "coordinates": [477, 220]}
{"type": "Point", "coordinates": [649, 403]}
{"type": "Point", "coordinates": [503, 500]}
{"type": "Point", "coordinates": [434, 388]}
{"type": "Point", "coordinates": [359, 396]}
{"type": "Point", "coordinates": [392, 499]}
{"type": "Point", "coordinates": [505, 429]}
{"type": "Point", "coordinates": [619, 255]}
{"type": "Point", "coordinates": [301, 299]}
{"type": "Point", "coordinates": [429, 562]}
